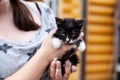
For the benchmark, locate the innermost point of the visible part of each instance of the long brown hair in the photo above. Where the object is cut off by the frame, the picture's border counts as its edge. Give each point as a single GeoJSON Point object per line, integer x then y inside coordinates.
{"type": "Point", "coordinates": [23, 19]}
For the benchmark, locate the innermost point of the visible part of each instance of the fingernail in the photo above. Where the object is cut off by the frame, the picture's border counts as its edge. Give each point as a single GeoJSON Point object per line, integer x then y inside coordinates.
{"type": "Point", "coordinates": [58, 63]}
{"type": "Point", "coordinates": [74, 46]}
{"type": "Point", "coordinates": [53, 63]}
{"type": "Point", "coordinates": [74, 68]}
{"type": "Point", "coordinates": [82, 34]}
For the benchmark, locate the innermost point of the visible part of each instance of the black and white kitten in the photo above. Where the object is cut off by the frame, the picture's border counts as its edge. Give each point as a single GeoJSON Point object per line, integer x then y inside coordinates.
{"type": "Point", "coordinates": [68, 31]}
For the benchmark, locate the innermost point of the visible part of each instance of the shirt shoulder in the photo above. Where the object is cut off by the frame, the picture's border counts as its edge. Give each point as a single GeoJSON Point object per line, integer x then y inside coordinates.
{"type": "Point", "coordinates": [32, 4]}
{"type": "Point", "coordinates": [47, 15]}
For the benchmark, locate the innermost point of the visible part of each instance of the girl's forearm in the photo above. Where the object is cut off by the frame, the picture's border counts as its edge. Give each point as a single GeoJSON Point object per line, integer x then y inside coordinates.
{"type": "Point", "coordinates": [33, 69]}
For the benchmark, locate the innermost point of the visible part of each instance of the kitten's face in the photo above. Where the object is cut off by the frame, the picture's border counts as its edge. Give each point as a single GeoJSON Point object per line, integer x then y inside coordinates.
{"type": "Point", "coordinates": [68, 29]}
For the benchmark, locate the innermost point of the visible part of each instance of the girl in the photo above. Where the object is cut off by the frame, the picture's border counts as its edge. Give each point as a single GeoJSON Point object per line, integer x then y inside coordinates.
{"type": "Point", "coordinates": [25, 42]}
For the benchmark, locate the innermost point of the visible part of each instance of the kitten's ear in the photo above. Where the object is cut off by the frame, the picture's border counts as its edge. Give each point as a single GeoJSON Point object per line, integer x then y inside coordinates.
{"type": "Point", "coordinates": [58, 20]}
{"type": "Point", "coordinates": [80, 22]}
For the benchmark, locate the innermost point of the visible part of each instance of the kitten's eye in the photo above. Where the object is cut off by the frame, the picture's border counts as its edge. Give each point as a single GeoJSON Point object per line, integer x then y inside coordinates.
{"type": "Point", "coordinates": [77, 30]}
{"type": "Point", "coordinates": [72, 35]}
{"type": "Point", "coordinates": [63, 35]}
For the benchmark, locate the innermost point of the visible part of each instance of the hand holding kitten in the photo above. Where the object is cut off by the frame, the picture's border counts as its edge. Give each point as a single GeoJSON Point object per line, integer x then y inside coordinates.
{"type": "Point", "coordinates": [68, 32]}
{"type": "Point", "coordinates": [50, 51]}
{"type": "Point", "coordinates": [55, 68]}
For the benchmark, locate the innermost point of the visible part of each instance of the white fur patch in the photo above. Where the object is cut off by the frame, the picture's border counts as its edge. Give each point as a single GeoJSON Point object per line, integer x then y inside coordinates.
{"type": "Point", "coordinates": [56, 43]}
{"type": "Point", "coordinates": [71, 41]}
{"type": "Point", "coordinates": [82, 46]}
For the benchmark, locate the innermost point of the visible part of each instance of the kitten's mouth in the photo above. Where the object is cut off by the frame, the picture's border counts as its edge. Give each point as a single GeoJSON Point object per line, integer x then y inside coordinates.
{"type": "Point", "coordinates": [70, 42]}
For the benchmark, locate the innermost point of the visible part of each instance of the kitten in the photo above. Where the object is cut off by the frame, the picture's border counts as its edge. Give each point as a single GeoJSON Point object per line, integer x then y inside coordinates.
{"type": "Point", "coordinates": [68, 31]}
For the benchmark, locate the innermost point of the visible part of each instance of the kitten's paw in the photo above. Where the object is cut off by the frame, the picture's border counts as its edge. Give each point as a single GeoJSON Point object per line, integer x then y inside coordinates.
{"type": "Point", "coordinates": [56, 43]}
{"type": "Point", "coordinates": [82, 46]}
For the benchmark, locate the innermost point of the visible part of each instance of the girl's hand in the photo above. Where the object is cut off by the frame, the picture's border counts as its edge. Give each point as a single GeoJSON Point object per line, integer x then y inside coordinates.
{"type": "Point", "coordinates": [55, 70]}
{"type": "Point", "coordinates": [49, 51]}
{"type": "Point", "coordinates": [80, 36]}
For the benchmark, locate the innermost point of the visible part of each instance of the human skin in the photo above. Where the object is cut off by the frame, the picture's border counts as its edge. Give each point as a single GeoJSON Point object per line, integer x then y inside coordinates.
{"type": "Point", "coordinates": [44, 55]}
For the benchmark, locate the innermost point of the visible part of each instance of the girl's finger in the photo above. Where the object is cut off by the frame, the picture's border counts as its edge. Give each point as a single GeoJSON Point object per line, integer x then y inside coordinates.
{"type": "Point", "coordinates": [80, 36]}
{"type": "Point", "coordinates": [74, 68]}
{"type": "Point", "coordinates": [67, 70]}
{"type": "Point", "coordinates": [58, 74]}
{"type": "Point", "coordinates": [52, 70]}
{"type": "Point", "coordinates": [68, 47]}
{"type": "Point", "coordinates": [52, 32]}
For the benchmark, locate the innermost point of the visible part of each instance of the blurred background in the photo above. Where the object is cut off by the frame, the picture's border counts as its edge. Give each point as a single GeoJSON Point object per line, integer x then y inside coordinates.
{"type": "Point", "coordinates": [101, 60]}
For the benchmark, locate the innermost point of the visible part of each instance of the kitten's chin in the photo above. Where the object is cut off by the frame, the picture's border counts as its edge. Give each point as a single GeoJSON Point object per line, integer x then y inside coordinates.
{"type": "Point", "coordinates": [82, 46]}
{"type": "Point", "coordinates": [72, 42]}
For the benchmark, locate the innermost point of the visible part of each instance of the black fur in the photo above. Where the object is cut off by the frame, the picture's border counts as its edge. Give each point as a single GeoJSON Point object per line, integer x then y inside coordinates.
{"type": "Point", "coordinates": [71, 28]}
